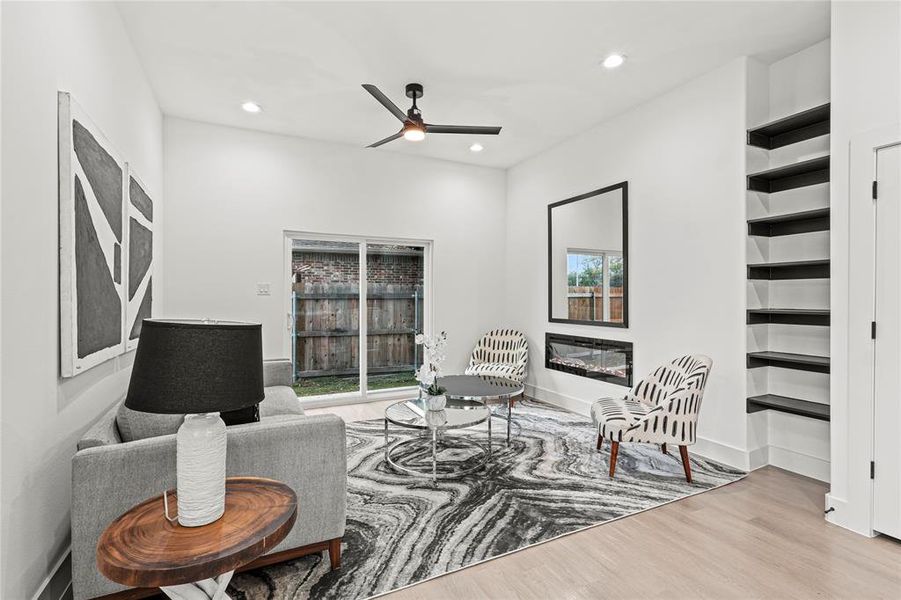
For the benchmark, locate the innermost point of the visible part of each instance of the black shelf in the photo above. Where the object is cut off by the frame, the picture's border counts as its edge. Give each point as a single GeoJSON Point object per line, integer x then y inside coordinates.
{"type": "Point", "coordinates": [805, 408]}
{"type": "Point", "coordinates": [789, 177]}
{"type": "Point", "coordinates": [796, 128]}
{"type": "Point", "coordinates": [790, 224]}
{"type": "Point", "coordinates": [787, 360]}
{"type": "Point", "coordinates": [800, 269]}
{"type": "Point", "coordinates": [788, 316]}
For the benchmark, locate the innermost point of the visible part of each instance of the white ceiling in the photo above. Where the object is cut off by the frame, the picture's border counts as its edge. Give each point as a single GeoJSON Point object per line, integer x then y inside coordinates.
{"type": "Point", "coordinates": [532, 67]}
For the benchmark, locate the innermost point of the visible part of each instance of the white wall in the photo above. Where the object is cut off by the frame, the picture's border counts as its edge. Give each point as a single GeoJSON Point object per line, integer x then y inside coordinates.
{"type": "Point", "coordinates": [232, 193]}
{"type": "Point", "coordinates": [866, 95]}
{"type": "Point", "coordinates": [683, 156]}
{"type": "Point", "coordinates": [81, 48]}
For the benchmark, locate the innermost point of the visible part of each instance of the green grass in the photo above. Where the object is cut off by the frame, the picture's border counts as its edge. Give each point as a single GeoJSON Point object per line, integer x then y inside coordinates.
{"type": "Point", "coordinates": [317, 386]}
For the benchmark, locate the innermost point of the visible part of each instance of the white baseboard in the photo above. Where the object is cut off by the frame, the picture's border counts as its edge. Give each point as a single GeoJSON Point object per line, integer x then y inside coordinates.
{"type": "Point", "coordinates": [571, 403]}
{"type": "Point", "coordinates": [758, 457]}
{"type": "Point", "coordinates": [722, 453]}
{"type": "Point", "coordinates": [802, 464]}
{"type": "Point", "coordinates": [844, 517]}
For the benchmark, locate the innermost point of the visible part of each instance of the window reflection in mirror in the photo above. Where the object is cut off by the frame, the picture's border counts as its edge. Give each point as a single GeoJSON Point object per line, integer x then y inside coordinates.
{"type": "Point", "coordinates": [595, 285]}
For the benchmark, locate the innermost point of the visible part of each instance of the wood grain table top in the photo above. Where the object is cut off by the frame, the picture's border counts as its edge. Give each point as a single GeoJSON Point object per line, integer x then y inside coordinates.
{"type": "Point", "coordinates": [143, 549]}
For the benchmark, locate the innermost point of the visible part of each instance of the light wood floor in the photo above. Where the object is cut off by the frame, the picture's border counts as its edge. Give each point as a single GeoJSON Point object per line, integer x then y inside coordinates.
{"type": "Point", "coordinates": [761, 537]}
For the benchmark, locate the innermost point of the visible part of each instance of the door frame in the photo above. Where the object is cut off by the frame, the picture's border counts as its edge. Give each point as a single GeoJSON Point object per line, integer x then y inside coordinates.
{"type": "Point", "coordinates": [852, 400]}
{"type": "Point", "coordinates": [363, 394]}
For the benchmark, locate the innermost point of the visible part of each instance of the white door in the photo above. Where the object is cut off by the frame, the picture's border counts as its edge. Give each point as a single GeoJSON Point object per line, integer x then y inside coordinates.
{"type": "Point", "coordinates": [887, 401]}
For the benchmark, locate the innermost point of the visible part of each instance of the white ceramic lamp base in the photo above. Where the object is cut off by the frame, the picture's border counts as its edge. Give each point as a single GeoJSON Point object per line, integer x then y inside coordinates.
{"type": "Point", "coordinates": [200, 465]}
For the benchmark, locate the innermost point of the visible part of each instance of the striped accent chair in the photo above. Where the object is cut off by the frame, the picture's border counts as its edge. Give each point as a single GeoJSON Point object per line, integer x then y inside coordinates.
{"type": "Point", "coordinates": [500, 353]}
{"type": "Point", "coordinates": [662, 409]}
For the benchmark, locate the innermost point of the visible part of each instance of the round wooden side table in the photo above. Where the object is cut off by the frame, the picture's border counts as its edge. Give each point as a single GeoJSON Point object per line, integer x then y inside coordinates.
{"type": "Point", "coordinates": [143, 549]}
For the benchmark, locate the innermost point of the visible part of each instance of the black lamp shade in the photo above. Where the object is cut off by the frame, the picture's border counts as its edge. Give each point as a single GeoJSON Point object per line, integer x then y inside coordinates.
{"type": "Point", "coordinates": [186, 367]}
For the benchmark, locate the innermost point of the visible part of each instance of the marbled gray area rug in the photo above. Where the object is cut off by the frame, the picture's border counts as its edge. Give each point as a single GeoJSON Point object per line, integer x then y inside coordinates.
{"type": "Point", "coordinates": [548, 482]}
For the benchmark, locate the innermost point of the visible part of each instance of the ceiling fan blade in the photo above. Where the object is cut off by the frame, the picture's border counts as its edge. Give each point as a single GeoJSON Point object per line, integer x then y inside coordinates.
{"type": "Point", "coordinates": [385, 101]}
{"type": "Point", "coordinates": [390, 138]}
{"type": "Point", "coordinates": [470, 129]}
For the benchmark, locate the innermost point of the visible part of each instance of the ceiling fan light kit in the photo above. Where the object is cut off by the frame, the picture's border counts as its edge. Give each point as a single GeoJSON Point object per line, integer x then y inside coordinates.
{"type": "Point", "coordinates": [414, 128]}
{"type": "Point", "coordinates": [414, 132]}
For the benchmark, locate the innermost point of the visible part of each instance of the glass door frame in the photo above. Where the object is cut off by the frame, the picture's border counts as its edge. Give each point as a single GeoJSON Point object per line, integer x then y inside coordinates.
{"type": "Point", "coordinates": [363, 394]}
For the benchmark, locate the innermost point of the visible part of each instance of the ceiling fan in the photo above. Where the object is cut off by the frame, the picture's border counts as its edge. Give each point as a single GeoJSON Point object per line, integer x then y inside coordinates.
{"type": "Point", "coordinates": [414, 128]}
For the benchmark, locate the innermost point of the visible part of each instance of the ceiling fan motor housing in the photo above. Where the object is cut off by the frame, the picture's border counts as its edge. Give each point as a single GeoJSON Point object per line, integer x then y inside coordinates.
{"type": "Point", "coordinates": [414, 90]}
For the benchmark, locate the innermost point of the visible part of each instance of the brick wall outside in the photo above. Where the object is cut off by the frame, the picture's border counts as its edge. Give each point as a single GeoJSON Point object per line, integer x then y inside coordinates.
{"type": "Point", "coordinates": [344, 269]}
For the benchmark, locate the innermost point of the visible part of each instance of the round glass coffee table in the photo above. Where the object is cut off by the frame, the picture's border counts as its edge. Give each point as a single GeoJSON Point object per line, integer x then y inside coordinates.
{"type": "Point", "coordinates": [485, 389]}
{"type": "Point", "coordinates": [434, 429]}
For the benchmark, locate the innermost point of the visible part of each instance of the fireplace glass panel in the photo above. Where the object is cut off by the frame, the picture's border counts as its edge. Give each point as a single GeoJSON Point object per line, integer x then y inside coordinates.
{"type": "Point", "coordinates": [605, 360]}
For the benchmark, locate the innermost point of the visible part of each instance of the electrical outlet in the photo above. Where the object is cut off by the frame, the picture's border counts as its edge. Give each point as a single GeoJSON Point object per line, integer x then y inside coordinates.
{"type": "Point", "coordinates": [264, 289]}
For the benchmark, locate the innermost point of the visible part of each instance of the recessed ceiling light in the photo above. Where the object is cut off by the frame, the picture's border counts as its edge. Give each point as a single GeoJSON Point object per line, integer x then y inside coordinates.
{"type": "Point", "coordinates": [477, 147]}
{"type": "Point", "coordinates": [251, 107]}
{"type": "Point", "coordinates": [614, 60]}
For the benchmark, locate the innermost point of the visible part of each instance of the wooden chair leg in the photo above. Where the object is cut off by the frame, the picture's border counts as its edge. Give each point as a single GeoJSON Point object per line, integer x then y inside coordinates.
{"type": "Point", "coordinates": [334, 553]}
{"type": "Point", "coordinates": [614, 450]}
{"type": "Point", "coordinates": [663, 448]}
{"type": "Point", "coordinates": [683, 450]}
{"type": "Point", "coordinates": [600, 442]}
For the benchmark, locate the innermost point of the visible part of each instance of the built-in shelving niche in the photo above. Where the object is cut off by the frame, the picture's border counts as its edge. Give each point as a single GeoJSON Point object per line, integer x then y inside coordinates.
{"type": "Point", "coordinates": [807, 221]}
{"type": "Point", "coordinates": [788, 360]}
{"type": "Point", "coordinates": [796, 128]}
{"type": "Point", "coordinates": [789, 177]}
{"type": "Point", "coordinates": [805, 408]}
{"type": "Point", "coordinates": [799, 269]}
{"type": "Point", "coordinates": [788, 316]}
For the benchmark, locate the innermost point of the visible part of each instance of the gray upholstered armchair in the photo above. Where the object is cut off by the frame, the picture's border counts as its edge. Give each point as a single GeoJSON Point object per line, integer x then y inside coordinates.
{"type": "Point", "coordinates": [128, 457]}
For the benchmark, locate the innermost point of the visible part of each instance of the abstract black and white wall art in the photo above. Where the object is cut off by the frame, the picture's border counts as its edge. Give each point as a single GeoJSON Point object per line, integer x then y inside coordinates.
{"type": "Point", "coordinates": [92, 236]}
{"type": "Point", "coordinates": [139, 300]}
{"type": "Point", "coordinates": [105, 245]}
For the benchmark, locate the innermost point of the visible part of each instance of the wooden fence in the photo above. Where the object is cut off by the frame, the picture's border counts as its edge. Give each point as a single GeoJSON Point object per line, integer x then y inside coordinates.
{"type": "Point", "coordinates": [587, 303]}
{"type": "Point", "coordinates": [327, 328]}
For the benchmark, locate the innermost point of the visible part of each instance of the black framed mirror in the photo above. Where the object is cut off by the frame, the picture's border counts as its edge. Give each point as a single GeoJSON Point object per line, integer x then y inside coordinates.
{"type": "Point", "coordinates": [588, 258]}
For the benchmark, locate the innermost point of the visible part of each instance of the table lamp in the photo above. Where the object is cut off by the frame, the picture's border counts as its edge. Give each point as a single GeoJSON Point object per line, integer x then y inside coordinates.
{"type": "Point", "coordinates": [199, 369]}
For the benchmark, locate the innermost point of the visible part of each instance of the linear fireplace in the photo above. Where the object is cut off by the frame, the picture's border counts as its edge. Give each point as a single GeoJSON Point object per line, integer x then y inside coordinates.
{"type": "Point", "coordinates": [605, 360]}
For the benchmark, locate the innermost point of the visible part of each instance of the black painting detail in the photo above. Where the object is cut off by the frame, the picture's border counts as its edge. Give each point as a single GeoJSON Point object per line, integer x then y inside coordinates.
{"type": "Point", "coordinates": [143, 312]}
{"type": "Point", "coordinates": [103, 173]}
{"type": "Point", "coordinates": [97, 300]}
{"type": "Point", "coordinates": [140, 199]}
{"type": "Point", "coordinates": [140, 253]}
{"type": "Point", "coordinates": [117, 263]}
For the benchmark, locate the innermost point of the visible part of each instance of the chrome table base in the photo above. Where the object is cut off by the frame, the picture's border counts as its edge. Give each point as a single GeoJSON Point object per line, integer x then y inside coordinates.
{"type": "Point", "coordinates": [432, 440]}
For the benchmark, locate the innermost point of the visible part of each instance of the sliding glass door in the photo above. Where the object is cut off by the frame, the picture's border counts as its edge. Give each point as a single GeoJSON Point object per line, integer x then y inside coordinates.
{"type": "Point", "coordinates": [356, 306]}
{"type": "Point", "coordinates": [326, 316]}
{"type": "Point", "coordinates": [394, 313]}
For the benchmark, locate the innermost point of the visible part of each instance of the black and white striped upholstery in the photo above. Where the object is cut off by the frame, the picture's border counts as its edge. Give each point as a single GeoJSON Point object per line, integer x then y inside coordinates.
{"type": "Point", "coordinates": [500, 353]}
{"type": "Point", "coordinates": [662, 409]}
